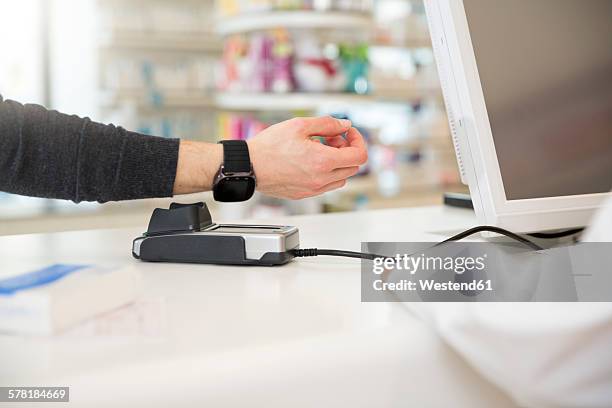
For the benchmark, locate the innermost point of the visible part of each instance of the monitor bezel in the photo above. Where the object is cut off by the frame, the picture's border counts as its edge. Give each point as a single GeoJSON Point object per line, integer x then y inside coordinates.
{"type": "Point", "coordinates": [450, 33]}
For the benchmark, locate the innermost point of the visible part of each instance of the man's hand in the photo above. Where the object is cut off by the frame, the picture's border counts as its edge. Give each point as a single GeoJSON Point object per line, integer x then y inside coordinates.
{"type": "Point", "coordinates": [288, 163]}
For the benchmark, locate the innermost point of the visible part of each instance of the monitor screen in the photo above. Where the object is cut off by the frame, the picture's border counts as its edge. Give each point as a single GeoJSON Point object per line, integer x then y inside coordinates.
{"type": "Point", "coordinates": [546, 72]}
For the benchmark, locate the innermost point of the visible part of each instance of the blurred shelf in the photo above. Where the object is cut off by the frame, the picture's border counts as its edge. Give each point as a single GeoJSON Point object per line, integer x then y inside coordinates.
{"type": "Point", "coordinates": [433, 197]}
{"type": "Point", "coordinates": [406, 95]}
{"type": "Point", "coordinates": [158, 41]}
{"type": "Point", "coordinates": [285, 102]}
{"type": "Point", "coordinates": [408, 42]}
{"type": "Point", "coordinates": [414, 179]}
{"type": "Point", "coordinates": [158, 100]}
{"type": "Point", "coordinates": [293, 19]}
{"type": "Point", "coordinates": [391, 88]}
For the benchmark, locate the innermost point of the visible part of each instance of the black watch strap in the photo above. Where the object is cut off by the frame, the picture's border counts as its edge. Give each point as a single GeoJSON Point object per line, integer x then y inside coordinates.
{"type": "Point", "coordinates": [236, 157]}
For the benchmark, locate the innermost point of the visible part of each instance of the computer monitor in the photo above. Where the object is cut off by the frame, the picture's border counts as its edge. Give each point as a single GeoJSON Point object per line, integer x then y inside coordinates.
{"type": "Point", "coordinates": [528, 91]}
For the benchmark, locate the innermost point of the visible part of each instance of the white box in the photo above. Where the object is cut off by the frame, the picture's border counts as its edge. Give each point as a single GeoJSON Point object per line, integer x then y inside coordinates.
{"type": "Point", "coordinates": [51, 299]}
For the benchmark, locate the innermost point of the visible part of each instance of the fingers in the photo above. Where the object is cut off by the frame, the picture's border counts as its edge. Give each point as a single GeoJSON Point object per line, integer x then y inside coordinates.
{"type": "Point", "coordinates": [323, 126]}
{"type": "Point", "coordinates": [355, 139]}
{"type": "Point", "coordinates": [354, 154]}
{"type": "Point", "coordinates": [336, 141]}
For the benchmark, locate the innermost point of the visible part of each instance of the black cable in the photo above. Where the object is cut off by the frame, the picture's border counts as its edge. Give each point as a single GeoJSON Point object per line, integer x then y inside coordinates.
{"type": "Point", "coordinates": [497, 230]}
{"type": "Point", "coordinates": [554, 235]}
{"type": "Point", "coordinates": [300, 253]}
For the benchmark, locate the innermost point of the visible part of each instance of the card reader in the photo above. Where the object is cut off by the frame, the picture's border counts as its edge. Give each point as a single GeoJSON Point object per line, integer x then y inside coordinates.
{"type": "Point", "coordinates": [186, 233]}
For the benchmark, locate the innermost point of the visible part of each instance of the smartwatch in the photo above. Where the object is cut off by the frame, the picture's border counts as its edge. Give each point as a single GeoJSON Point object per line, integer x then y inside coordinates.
{"type": "Point", "coordinates": [235, 179]}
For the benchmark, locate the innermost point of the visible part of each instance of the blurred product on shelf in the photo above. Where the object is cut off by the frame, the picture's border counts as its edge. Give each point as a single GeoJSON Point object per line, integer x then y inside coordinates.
{"type": "Point", "coordinates": [186, 74]}
{"type": "Point", "coordinates": [233, 7]}
{"type": "Point", "coordinates": [354, 60]}
{"type": "Point", "coordinates": [317, 68]}
{"type": "Point", "coordinates": [280, 61]}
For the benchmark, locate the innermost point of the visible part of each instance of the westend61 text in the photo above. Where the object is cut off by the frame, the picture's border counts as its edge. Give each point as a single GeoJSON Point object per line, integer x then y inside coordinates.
{"type": "Point", "coordinates": [432, 285]}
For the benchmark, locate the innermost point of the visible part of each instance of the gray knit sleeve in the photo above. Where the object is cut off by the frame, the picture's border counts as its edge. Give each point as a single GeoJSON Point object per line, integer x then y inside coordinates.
{"type": "Point", "coordinates": [44, 153]}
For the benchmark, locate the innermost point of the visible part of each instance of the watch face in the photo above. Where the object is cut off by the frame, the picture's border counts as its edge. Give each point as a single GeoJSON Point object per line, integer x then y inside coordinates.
{"type": "Point", "coordinates": [231, 189]}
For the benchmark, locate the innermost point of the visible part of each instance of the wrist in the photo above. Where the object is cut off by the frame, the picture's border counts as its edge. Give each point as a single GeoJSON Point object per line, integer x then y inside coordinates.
{"type": "Point", "coordinates": [257, 163]}
{"type": "Point", "coordinates": [197, 164]}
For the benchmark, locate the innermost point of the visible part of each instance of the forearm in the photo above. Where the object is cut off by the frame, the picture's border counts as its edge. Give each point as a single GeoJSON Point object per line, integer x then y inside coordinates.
{"type": "Point", "coordinates": [49, 154]}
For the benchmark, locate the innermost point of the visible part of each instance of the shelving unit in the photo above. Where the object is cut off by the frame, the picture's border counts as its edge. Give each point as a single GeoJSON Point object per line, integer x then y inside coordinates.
{"type": "Point", "coordinates": [169, 99]}
{"type": "Point", "coordinates": [156, 64]}
{"type": "Point", "coordinates": [257, 21]}
{"type": "Point", "coordinates": [352, 22]}
{"type": "Point", "coordinates": [195, 42]}
{"type": "Point", "coordinates": [284, 102]}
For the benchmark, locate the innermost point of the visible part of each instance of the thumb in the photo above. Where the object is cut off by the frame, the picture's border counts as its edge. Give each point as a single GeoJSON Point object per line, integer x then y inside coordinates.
{"type": "Point", "coordinates": [325, 126]}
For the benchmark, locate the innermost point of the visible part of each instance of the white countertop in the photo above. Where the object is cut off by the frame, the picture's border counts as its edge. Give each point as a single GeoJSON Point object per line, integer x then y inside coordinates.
{"type": "Point", "coordinates": [295, 335]}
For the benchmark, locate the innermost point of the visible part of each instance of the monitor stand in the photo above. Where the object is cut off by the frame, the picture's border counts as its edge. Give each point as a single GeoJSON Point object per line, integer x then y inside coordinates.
{"type": "Point", "coordinates": [546, 240]}
{"type": "Point", "coordinates": [460, 200]}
